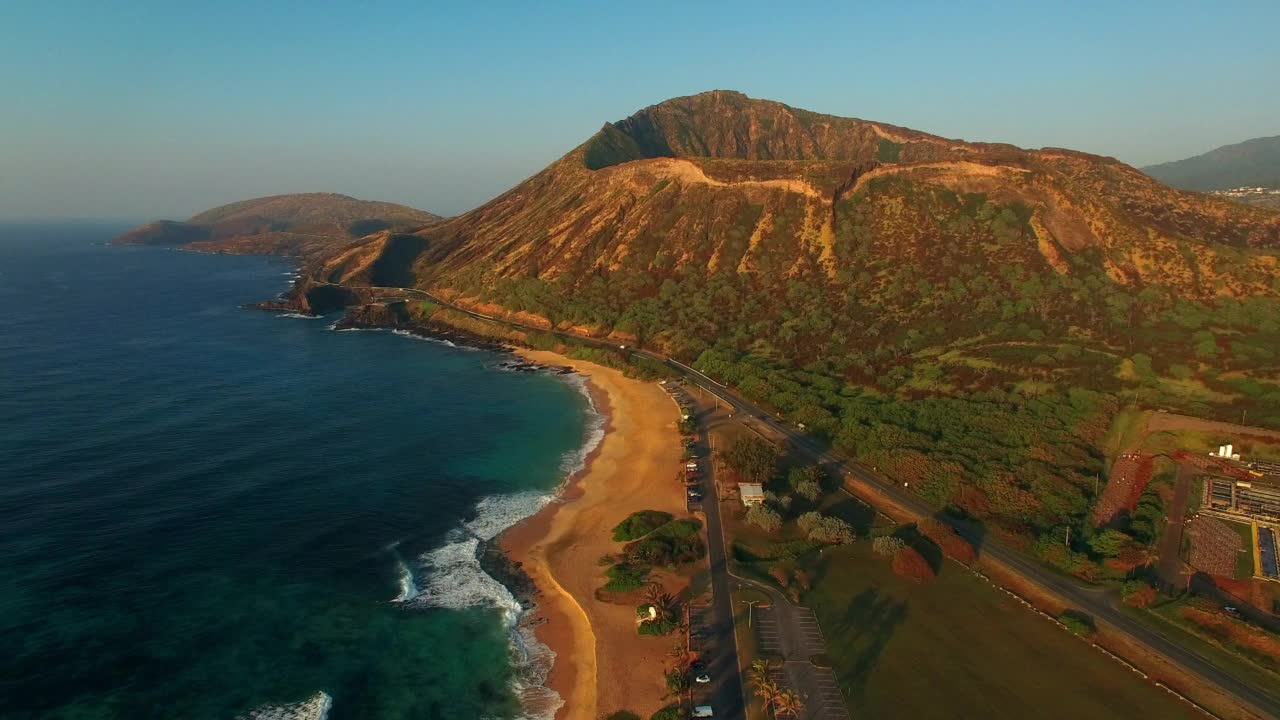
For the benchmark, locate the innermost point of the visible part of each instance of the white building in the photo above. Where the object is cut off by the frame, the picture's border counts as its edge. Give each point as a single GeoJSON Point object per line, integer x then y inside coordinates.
{"type": "Point", "coordinates": [752, 494]}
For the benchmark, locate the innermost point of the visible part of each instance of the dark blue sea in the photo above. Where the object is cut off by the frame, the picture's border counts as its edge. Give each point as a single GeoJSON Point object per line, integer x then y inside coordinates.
{"type": "Point", "coordinates": [211, 512]}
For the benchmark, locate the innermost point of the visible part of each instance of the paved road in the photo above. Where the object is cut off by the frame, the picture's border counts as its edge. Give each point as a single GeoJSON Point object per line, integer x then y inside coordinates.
{"type": "Point", "coordinates": [1091, 600]}
{"type": "Point", "coordinates": [1170, 547]}
{"type": "Point", "coordinates": [725, 692]}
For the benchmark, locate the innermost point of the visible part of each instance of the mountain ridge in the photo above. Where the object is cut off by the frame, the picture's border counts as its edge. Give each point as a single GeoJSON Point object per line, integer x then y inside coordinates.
{"type": "Point", "coordinates": [968, 317]}
{"type": "Point", "coordinates": [301, 224]}
{"type": "Point", "coordinates": [717, 140]}
{"type": "Point", "coordinates": [1251, 163]}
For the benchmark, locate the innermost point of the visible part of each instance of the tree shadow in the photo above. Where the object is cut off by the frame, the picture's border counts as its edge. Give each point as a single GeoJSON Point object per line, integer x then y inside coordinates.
{"type": "Point", "coordinates": [870, 622]}
{"type": "Point", "coordinates": [969, 527]}
{"type": "Point", "coordinates": [911, 536]}
{"type": "Point", "coordinates": [1203, 585]}
{"type": "Point", "coordinates": [860, 516]}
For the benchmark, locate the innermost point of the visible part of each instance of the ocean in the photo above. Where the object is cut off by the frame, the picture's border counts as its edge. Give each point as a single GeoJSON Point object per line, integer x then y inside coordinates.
{"type": "Point", "coordinates": [214, 512]}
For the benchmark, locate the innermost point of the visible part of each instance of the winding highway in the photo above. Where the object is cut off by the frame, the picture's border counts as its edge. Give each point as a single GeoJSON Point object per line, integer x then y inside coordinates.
{"type": "Point", "coordinates": [1092, 600]}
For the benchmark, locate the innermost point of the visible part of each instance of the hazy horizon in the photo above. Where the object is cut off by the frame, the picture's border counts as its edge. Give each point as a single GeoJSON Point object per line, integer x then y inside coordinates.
{"type": "Point", "coordinates": [153, 111]}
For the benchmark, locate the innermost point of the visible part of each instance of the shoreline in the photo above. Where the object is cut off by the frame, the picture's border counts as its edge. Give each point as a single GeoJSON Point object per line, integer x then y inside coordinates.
{"type": "Point", "coordinates": [558, 548]}
{"type": "Point", "coordinates": [549, 561]}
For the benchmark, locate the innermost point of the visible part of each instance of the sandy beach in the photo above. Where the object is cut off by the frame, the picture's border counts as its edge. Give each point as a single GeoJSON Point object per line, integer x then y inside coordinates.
{"type": "Point", "coordinates": [602, 665]}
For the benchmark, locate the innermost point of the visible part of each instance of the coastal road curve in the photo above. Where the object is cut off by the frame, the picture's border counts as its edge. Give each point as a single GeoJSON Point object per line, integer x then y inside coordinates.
{"type": "Point", "coordinates": [1081, 597]}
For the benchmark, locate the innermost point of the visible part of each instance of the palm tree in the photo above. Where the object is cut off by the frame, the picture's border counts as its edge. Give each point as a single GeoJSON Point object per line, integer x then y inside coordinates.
{"type": "Point", "coordinates": [759, 671]}
{"type": "Point", "coordinates": [788, 702]}
{"type": "Point", "coordinates": [652, 592]}
{"type": "Point", "coordinates": [663, 603]}
{"type": "Point", "coordinates": [768, 691]}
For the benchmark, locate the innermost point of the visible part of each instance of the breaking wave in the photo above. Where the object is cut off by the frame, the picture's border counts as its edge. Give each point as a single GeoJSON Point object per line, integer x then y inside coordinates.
{"type": "Point", "coordinates": [575, 461]}
{"type": "Point", "coordinates": [452, 576]}
{"type": "Point", "coordinates": [301, 316]}
{"type": "Point", "coordinates": [315, 707]}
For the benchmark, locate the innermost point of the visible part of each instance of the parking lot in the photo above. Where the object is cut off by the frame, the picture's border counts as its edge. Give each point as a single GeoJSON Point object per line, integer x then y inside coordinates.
{"type": "Point", "coordinates": [811, 639]}
{"type": "Point", "coordinates": [817, 685]}
{"type": "Point", "coordinates": [768, 635]}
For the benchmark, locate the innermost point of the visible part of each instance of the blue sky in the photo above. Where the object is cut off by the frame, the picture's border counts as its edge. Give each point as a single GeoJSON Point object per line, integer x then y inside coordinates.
{"type": "Point", "coordinates": [155, 109]}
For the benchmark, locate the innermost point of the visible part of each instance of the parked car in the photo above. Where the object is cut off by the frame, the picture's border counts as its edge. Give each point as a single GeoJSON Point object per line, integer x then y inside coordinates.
{"type": "Point", "coordinates": [703, 711]}
{"type": "Point", "coordinates": [702, 679]}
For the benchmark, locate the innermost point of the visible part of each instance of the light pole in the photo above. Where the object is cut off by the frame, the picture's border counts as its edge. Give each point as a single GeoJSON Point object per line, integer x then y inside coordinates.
{"type": "Point", "coordinates": [751, 606]}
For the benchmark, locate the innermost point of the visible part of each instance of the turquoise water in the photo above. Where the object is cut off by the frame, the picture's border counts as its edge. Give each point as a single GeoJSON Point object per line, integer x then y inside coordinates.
{"type": "Point", "coordinates": [205, 509]}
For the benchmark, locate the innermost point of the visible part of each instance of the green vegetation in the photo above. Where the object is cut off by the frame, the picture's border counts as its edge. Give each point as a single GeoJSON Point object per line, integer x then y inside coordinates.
{"type": "Point", "coordinates": [888, 151]}
{"type": "Point", "coordinates": [623, 715]}
{"type": "Point", "coordinates": [1077, 623]}
{"type": "Point", "coordinates": [671, 712]}
{"type": "Point", "coordinates": [765, 518]}
{"type": "Point", "coordinates": [823, 529]}
{"type": "Point", "coordinates": [655, 540]}
{"type": "Point", "coordinates": [895, 646]}
{"type": "Point", "coordinates": [1228, 643]}
{"type": "Point", "coordinates": [974, 346]}
{"type": "Point", "coordinates": [753, 459]}
{"type": "Point", "coordinates": [1244, 560]}
{"type": "Point", "coordinates": [625, 577]}
{"type": "Point", "coordinates": [671, 545]}
{"type": "Point", "coordinates": [638, 524]}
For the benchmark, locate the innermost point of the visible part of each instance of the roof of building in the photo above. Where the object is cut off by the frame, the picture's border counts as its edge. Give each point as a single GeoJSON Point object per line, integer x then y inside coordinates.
{"type": "Point", "coordinates": [751, 490]}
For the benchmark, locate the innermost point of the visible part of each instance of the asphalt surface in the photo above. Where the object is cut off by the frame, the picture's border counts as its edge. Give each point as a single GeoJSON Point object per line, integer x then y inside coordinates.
{"type": "Point", "coordinates": [1170, 547]}
{"type": "Point", "coordinates": [718, 646]}
{"type": "Point", "coordinates": [1094, 601]}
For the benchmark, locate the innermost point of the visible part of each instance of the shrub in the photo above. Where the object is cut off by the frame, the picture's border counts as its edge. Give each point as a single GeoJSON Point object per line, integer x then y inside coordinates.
{"type": "Point", "coordinates": [824, 529]}
{"type": "Point", "coordinates": [1138, 593]}
{"type": "Point", "coordinates": [803, 581]}
{"type": "Point", "coordinates": [781, 575]}
{"type": "Point", "coordinates": [803, 475]}
{"type": "Point", "coordinates": [765, 518]}
{"type": "Point", "coordinates": [1109, 542]}
{"type": "Point", "coordinates": [656, 628]}
{"type": "Point", "coordinates": [910, 564]}
{"type": "Point", "coordinates": [887, 545]}
{"type": "Point", "coordinates": [753, 458]}
{"type": "Point", "coordinates": [677, 680]}
{"type": "Point", "coordinates": [952, 545]}
{"type": "Point", "coordinates": [622, 715]}
{"type": "Point", "coordinates": [665, 550]}
{"type": "Point", "coordinates": [625, 577]}
{"type": "Point", "coordinates": [1077, 622]}
{"type": "Point", "coordinates": [671, 712]}
{"type": "Point", "coordinates": [809, 490]}
{"type": "Point", "coordinates": [638, 524]}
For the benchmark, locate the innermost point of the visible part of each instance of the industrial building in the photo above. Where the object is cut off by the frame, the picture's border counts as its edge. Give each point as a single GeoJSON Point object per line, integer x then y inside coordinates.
{"type": "Point", "coordinates": [1251, 490]}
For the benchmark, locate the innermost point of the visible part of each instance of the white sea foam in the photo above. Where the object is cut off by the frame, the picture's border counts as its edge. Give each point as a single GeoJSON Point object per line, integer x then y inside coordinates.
{"type": "Point", "coordinates": [415, 336]}
{"type": "Point", "coordinates": [408, 586]}
{"type": "Point", "coordinates": [300, 316]}
{"type": "Point", "coordinates": [574, 461]}
{"type": "Point", "coordinates": [315, 707]}
{"type": "Point", "coordinates": [452, 577]}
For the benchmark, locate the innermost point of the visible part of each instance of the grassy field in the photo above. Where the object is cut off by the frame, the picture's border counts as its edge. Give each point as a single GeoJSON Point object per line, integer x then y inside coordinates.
{"type": "Point", "coordinates": [1166, 619]}
{"type": "Point", "coordinates": [901, 648]}
{"type": "Point", "coordinates": [1244, 560]}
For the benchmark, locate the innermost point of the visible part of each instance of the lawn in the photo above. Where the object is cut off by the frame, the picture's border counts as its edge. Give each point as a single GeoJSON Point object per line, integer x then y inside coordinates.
{"type": "Point", "coordinates": [959, 648]}
{"type": "Point", "coordinates": [1167, 619]}
{"type": "Point", "coordinates": [1244, 560]}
